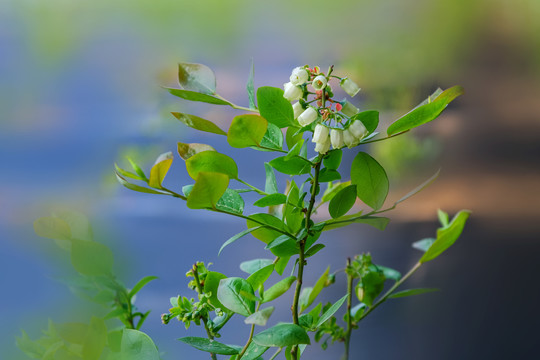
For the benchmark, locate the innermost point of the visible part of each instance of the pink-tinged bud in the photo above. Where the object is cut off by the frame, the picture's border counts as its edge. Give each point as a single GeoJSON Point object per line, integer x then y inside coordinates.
{"type": "Point", "coordinates": [299, 76]}
{"type": "Point", "coordinates": [308, 116]}
{"type": "Point", "coordinates": [349, 139]}
{"type": "Point", "coordinates": [349, 109]}
{"type": "Point", "coordinates": [319, 82]}
{"type": "Point", "coordinates": [320, 133]}
{"type": "Point", "coordinates": [336, 138]}
{"type": "Point", "coordinates": [358, 129]}
{"type": "Point", "coordinates": [349, 86]}
{"type": "Point", "coordinates": [297, 109]}
{"type": "Point", "coordinates": [292, 92]}
{"type": "Point", "coordinates": [338, 107]}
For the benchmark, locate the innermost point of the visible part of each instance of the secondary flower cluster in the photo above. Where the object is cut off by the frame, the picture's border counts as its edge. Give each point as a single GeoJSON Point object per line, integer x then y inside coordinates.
{"type": "Point", "coordinates": [346, 131]}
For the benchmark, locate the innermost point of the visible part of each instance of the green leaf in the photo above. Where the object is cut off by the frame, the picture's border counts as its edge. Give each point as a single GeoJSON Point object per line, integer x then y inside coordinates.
{"type": "Point", "coordinates": [411, 292]}
{"type": "Point", "coordinates": [377, 222]}
{"type": "Point", "coordinates": [316, 290]}
{"type": "Point", "coordinates": [332, 159]}
{"type": "Point", "coordinates": [331, 311]}
{"type": "Point", "coordinates": [333, 189]}
{"type": "Point", "coordinates": [211, 346]}
{"type": "Point", "coordinates": [425, 113]}
{"type": "Point", "coordinates": [265, 234]}
{"type": "Point", "coordinates": [72, 332]}
{"type": "Point", "coordinates": [236, 237]}
{"type": "Point", "coordinates": [250, 87]}
{"type": "Point", "coordinates": [254, 265]}
{"type": "Point", "coordinates": [211, 284]}
{"type": "Point", "coordinates": [283, 246]}
{"type": "Point", "coordinates": [52, 228]}
{"type": "Point", "coordinates": [342, 202]}
{"type": "Point", "coordinates": [370, 180]}
{"type": "Point", "coordinates": [293, 166]}
{"type": "Point", "coordinates": [160, 169]}
{"type": "Point", "coordinates": [420, 187]}
{"type": "Point", "coordinates": [137, 169]}
{"type": "Point", "coordinates": [230, 295]}
{"type": "Point", "coordinates": [211, 161]}
{"type": "Point", "coordinates": [197, 77]}
{"type": "Point", "coordinates": [369, 118]}
{"type": "Point", "coordinates": [246, 130]}
{"type": "Point", "coordinates": [274, 107]}
{"type": "Point", "coordinates": [370, 286]}
{"type": "Point", "coordinates": [424, 244]}
{"type": "Point", "coordinates": [273, 138]}
{"type": "Point", "coordinates": [327, 175]}
{"type": "Point", "coordinates": [271, 200]}
{"type": "Point", "coordinates": [231, 201]}
{"type": "Point", "coordinates": [282, 335]}
{"type": "Point", "coordinates": [136, 345]}
{"type": "Point", "coordinates": [357, 311]}
{"type": "Point", "coordinates": [270, 186]}
{"type": "Point", "coordinates": [135, 187]}
{"type": "Point", "coordinates": [198, 123]}
{"type": "Point", "coordinates": [390, 273]}
{"type": "Point", "coordinates": [290, 138]}
{"type": "Point", "coordinates": [128, 174]}
{"type": "Point", "coordinates": [188, 150]}
{"type": "Point", "coordinates": [314, 249]}
{"type": "Point", "coordinates": [254, 352]}
{"type": "Point", "coordinates": [446, 236]}
{"type": "Point", "coordinates": [196, 96]}
{"type": "Point", "coordinates": [278, 289]}
{"type": "Point", "coordinates": [91, 258]}
{"type": "Point", "coordinates": [259, 277]}
{"type": "Point", "coordinates": [142, 283]}
{"type": "Point", "coordinates": [78, 223]}
{"type": "Point", "coordinates": [95, 339]}
{"type": "Point", "coordinates": [443, 217]}
{"type": "Point", "coordinates": [208, 189]}
{"type": "Point", "coordinates": [260, 317]}
{"type": "Point", "coordinates": [281, 264]}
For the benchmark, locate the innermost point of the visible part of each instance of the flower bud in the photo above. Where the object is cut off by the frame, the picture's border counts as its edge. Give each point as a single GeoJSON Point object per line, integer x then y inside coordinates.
{"type": "Point", "coordinates": [336, 138]}
{"type": "Point", "coordinates": [320, 133]}
{"type": "Point", "coordinates": [319, 82]}
{"type": "Point", "coordinates": [292, 92]}
{"type": "Point", "coordinates": [308, 116]}
{"type": "Point", "coordinates": [299, 76]}
{"type": "Point", "coordinates": [349, 86]}
{"type": "Point", "coordinates": [323, 145]}
{"type": "Point", "coordinates": [358, 129]}
{"type": "Point", "coordinates": [349, 139]}
{"type": "Point", "coordinates": [297, 109]}
{"type": "Point", "coordinates": [349, 109]}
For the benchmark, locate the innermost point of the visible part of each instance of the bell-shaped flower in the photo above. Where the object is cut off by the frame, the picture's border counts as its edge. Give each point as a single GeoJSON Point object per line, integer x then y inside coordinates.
{"type": "Point", "coordinates": [349, 86]}
{"type": "Point", "coordinates": [321, 133]}
{"type": "Point", "coordinates": [292, 92]}
{"type": "Point", "coordinates": [336, 138]}
{"type": "Point", "coordinates": [308, 116]}
{"type": "Point", "coordinates": [358, 129]}
{"type": "Point", "coordinates": [299, 76]}
{"type": "Point", "coordinates": [349, 109]}
{"type": "Point", "coordinates": [319, 82]}
{"type": "Point", "coordinates": [349, 139]}
{"type": "Point", "coordinates": [297, 109]}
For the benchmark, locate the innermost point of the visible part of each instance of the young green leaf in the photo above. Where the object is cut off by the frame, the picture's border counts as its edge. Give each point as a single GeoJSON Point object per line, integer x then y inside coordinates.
{"type": "Point", "coordinates": [160, 169]}
{"type": "Point", "coordinates": [231, 201]}
{"type": "Point", "coordinates": [271, 200]}
{"type": "Point", "coordinates": [283, 246]}
{"type": "Point", "coordinates": [91, 258]}
{"type": "Point", "coordinates": [136, 345]}
{"type": "Point", "coordinates": [128, 174]}
{"type": "Point", "coordinates": [246, 130]}
{"type": "Point", "coordinates": [314, 249]}
{"type": "Point", "coordinates": [274, 107]}
{"type": "Point", "coordinates": [137, 169]}
{"type": "Point", "coordinates": [293, 166]}
{"type": "Point", "coordinates": [333, 189]}
{"type": "Point", "coordinates": [188, 150]}
{"type": "Point", "coordinates": [211, 161]}
{"type": "Point", "coordinates": [292, 137]}
{"type": "Point", "coordinates": [424, 244]}
{"type": "Point", "coordinates": [260, 317]}
{"type": "Point", "coordinates": [390, 273]}
{"type": "Point", "coordinates": [198, 123]}
{"type": "Point", "coordinates": [270, 186]}
{"type": "Point", "coordinates": [135, 187]}
{"type": "Point", "coordinates": [259, 277]}
{"type": "Point", "coordinates": [230, 294]}
{"type": "Point", "coordinates": [278, 289]}
{"type": "Point", "coordinates": [327, 175]}
{"type": "Point", "coordinates": [250, 88]}
{"type": "Point", "coordinates": [446, 236]}
{"type": "Point", "coordinates": [425, 113]}
{"type": "Point", "coordinates": [211, 285]}
{"type": "Point", "coordinates": [265, 234]}
{"type": "Point", "coordinates": [282, 335]}
{"type": "Point", "coordinates": [196, 96]}
{"type": "Point", "coordinates": [370, 180]}
{"type": "Point", "coordinates": [140, 284]}
{"type": "Point", "coordinates": [411, 292]}
{"type": "Point", "coordinates": [443, 217]}
{"type": "Point", "coordinates": [95, 339]}
{"type": "Point", "coordinates": [281, 264]}
{"type": "Point", "coordinates": [211, 346]}
{"type": "Point", "coordinates": [251, 266]}
{"type": "Point", "coordinates": [342, 202]}
{"type": "Point", "coordinates": [207, 191]}
{"type": "Point", "coordinates": [236, 237]}
{"type": "Point", "coordinates": [317, 288]}
{"type": "Point", "coordinates": [369, 118]}
{"type": "Point", "coordinates": [331, 311]}
{"type": "Point", "coordinates": [332, 159]}
{"type": "Point", "coordinates": [370, 286]}
{"type": "Point", "coordinates": [272, 139]}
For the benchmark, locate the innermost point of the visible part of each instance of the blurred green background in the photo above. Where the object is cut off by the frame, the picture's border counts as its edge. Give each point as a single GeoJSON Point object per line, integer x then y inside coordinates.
{"type": "Point", "coordinates": [80, 87]}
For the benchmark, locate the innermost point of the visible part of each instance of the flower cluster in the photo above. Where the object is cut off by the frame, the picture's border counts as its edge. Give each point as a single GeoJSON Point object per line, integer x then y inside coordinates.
{"type": "Point", "coordinates": [332, 121]}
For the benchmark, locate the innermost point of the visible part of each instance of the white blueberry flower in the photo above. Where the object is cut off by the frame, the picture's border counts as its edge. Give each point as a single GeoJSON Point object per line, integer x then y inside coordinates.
{"type": "Point", "coordinates": [319, 82]}
{"type": "Point", "coordinates": [323, 147]}
{"type": "Point", "coordinates": [308, 116]}
{"type": "Point", "coordinates": [297, 109]}
{"type": "Point", "coordinates": [349, 86]}
{"type": "Point", "coordinates": [321, 133]}
{"type": "Point", "coordinates": [292, 92]}
{"type": "Point", "coordinates": [299, 76]}
{"type": "Point", "coordinates": [358, 129]}
{"type": "Point", "coordinates": [336, 138]}
{"type": "Point", "coordinates": [349, 109]}
{"type": "Point", "coordinates": [349, 139]}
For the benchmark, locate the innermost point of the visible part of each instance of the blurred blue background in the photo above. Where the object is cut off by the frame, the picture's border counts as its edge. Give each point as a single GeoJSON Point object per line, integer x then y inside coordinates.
{"type": "Point", "coordinates": [80, 88]}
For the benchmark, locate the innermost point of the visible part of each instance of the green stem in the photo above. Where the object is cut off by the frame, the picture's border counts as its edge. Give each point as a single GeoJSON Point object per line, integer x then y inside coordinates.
{"type": "Point", "coordinates": [257, 190]}
{"type": "Point", "coordinates": [244, 349]}
{"type": "Point", "coordinates": [204, 319]}
{"type": "Point", "coordinates": [384, 138]}
{"type": "Point", "coordinates": [349, 317]}
{"type": "Point", "coordinates": [391, 290]}
{"type": "Point", "coordinates": [238, 107]}
{"type": "Point", "coordinates": [255, 221]}
{"type": "Point", "coordinates": [276, 354]}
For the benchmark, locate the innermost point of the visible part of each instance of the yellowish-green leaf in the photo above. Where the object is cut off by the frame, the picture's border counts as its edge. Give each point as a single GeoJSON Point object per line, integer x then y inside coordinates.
{"type": "Point", "coordinates": [246, 130]}
{"type": "Point", "coordinates": [211, 161]}
{"type": "Point", "coordinates": [160, 169]}
{"type": "Point", "coordinates": [207, 191]}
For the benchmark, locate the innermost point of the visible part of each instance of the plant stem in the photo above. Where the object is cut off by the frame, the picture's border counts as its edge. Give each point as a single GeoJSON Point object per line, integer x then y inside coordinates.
{"type": "Point", "coordinates": [205, 321]}
{"type": "Point", "coordinates": [238, 107]}
{"type": "Point", "coordinates": [391, 290]}
{"type": "Point", "coordinates": [384, 138]}
{"type": "Point", "coordinates": [349, 316]}
{"type": "Point", "coordinates": [276, 354]}
{"type": "Point", "coordinates": [244, 349]}
{"type": "Point", "coordinates": [257, 190]}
